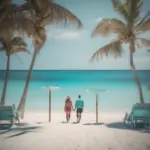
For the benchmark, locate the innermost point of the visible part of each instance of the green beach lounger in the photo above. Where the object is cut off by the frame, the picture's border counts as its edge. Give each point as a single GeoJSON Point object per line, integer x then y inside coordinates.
{"type": "Point", "coordinates": [8, 116]}
{"type": "Point", "coordinates": [140, 114]}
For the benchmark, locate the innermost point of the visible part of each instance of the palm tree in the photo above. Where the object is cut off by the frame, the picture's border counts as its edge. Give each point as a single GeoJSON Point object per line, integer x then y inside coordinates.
{"type": "Point", "coordinates": [127, 31]}
{"type": "Point", "coordinates": [13, 21]}
{"type": "Point", "coordinates": [43, 13]}
{"type": "Point", "coordinates": [16, 45]}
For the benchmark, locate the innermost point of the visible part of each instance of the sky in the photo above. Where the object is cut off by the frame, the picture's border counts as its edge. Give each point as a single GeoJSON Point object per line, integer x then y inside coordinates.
{"type": "Point", "coordinates": [71, 48]}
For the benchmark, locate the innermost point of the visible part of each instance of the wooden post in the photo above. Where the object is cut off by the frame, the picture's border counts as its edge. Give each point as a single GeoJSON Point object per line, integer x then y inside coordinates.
{"type": "Point", "coordinates": [96, 108]}
{"type": "Point", "coordinates": [49, 105]}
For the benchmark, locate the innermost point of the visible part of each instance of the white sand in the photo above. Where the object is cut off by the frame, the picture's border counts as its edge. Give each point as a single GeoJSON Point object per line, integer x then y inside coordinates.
{"type": "Point", "coordinates": [37, 134]}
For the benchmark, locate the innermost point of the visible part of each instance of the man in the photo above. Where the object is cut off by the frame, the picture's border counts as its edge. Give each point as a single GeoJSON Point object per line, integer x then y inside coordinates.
{"type": "Point", "coordinates": [79, 108]}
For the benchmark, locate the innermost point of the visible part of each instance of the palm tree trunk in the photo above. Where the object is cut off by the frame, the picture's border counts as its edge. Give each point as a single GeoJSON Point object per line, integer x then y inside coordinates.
{"type": "Point", "coordinates": [6, 81]}
{"type": "Point", "coordinates": [136, 77]}
{"type": "Point", "coordinates": [21, 107]}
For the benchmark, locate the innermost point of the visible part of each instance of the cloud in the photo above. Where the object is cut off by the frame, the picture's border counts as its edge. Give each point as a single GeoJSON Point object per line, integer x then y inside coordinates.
{"type": "Point", "coordinates": [64, 33]}
{"type": "Point", "coordinates": [68, 35]}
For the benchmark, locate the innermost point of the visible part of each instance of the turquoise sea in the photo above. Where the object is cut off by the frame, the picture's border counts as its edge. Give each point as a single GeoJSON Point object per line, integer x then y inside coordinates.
{"type": "Point", "coordinates": [120, 85]}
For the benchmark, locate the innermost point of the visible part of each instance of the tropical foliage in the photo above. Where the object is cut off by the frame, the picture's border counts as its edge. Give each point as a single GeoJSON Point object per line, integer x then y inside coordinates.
{"type": "Point", "coordinates": [127, 32]}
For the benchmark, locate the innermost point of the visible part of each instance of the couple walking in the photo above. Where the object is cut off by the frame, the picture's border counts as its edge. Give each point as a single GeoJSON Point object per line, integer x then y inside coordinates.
{"type": "Point", "coordinates": [79, 104]}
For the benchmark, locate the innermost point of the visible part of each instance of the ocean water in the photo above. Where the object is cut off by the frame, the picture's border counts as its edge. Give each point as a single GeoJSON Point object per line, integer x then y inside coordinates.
{"type": "Point", "coordinates": [121, 88]}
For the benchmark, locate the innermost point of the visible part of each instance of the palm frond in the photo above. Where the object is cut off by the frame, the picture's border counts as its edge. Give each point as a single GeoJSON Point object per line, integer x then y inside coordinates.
{"type": "Point", "coordinates": [108, 26]}
{"type": "Point", "coordinates": [139, 25]}
{"type": "Point", "coordinates": [121, 9]}
{"type": "Point", "coordinates": [41, 8]}
{"type": "Point", "coordinates": [145, 26]}
{"type": "Point", "coordinates": [134, 7]}
{"type": "Point", "coordinates": [49, 12]}
{"type": "Point", "coordinates": [141, 42]}
{"type": "Point", "coordinates": [114, 48]}
{"type": "Point", "coordinates": [130, 10]}
{"type": "Point", "coordinates": [58, 14]}
{"type": "Point", "coordinates": [12, 20]}
{"type": "Point", "coordinates": [18, 45]}
{"type": "Point", "coordinates": [19, 41]}
{"type": "Point", "coordinates": [17, 49]}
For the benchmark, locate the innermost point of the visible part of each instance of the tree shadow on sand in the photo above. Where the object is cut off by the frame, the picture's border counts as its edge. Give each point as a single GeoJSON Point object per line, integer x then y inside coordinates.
{"type": "Point", "coordinates": [118, 125]}
{"type": "Point", "coordinates": [122, 126]}
{"type": "Point", "coordinates": [22, 124]}
{"type": "Point", "coordinates": [20, 130]}
{"type": "Point", "coordinates": [96, 124]}
{"type": "Point", "coordinates": [18, 134]}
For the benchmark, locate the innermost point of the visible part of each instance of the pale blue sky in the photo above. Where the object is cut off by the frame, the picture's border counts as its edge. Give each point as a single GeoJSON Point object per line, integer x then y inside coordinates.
{"type": "Point", "coordinates": [72, 49]}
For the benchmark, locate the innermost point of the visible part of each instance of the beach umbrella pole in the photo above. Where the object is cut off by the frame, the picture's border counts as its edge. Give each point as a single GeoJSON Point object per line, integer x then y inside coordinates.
{"type": "Point", "coordinates": [96, 108]}
{"type": "Point", "coordinates": [50, 95]}
{"type": "Point", "coordinates": [96, 92]}
{"type": "Point", "coordinates": [49, 105]}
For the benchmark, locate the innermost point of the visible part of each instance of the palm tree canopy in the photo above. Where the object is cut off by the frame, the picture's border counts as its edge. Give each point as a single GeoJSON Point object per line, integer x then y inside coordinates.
{"type": "Point", "coordinates": [109, 26]}
{"type": "Point", "coordinates": [130, 10]}
{"type": "Point", "coordinates": [50, 12]}
{"type": "Point", "coordinates": [47, 13]}
{"type": "Point", "coordinates": [113, 48]}
{"type": "Point", "coordinates": [17, 45]}
{"type": "Point", "coordinates": [127, 32]}
{"type": "Point", "coordinates": [13, 20]}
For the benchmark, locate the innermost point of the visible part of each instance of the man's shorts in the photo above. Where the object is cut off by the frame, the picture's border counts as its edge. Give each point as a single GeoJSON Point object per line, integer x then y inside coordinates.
{"type": "Point", "coordinates": [79, 110]}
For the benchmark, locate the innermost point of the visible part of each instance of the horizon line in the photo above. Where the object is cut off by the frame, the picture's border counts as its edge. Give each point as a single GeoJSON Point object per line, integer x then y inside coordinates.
{"type": "Point", "coordinates": [75, 70]}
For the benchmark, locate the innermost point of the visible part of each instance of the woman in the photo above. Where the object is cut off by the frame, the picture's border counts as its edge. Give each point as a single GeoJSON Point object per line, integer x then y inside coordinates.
{"type": "Point", "coordinates": [68, 107]}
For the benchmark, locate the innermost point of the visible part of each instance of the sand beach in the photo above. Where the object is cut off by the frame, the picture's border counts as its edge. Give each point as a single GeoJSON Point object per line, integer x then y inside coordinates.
{"type": "Point", "coordinates": [36, 133]}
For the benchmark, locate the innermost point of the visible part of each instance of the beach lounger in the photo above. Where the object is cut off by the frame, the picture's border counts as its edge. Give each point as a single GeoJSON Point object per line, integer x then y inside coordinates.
{"type": "Point", "coordinates": [140, 114]}
{"type": "Point", "coordinates": [8, 116]}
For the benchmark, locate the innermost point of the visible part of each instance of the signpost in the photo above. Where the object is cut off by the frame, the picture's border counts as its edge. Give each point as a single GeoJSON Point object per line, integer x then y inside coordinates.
{"type": "Point", "coordinates": [96, 94]}
{"type": "Point", "coordinates": [50, 89]}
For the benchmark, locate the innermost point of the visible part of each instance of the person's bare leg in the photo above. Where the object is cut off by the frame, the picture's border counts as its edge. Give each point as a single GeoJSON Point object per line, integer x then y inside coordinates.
{"type": "Point", "coordinates": [66, 116]}
{"type": "Point", "coordinates": [69, 117]}
{"type": "Point", "coordinates": [79, 117]}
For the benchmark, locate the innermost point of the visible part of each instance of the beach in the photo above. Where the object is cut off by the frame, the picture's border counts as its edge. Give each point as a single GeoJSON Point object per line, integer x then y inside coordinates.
{"type": "Point", "coordinates": [36, 133]}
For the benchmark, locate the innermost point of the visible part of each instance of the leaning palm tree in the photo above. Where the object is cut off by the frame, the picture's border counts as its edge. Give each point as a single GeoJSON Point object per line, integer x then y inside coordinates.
{"type": "Point", "coordinates": [43, 13]}
{"type": "Point", "coordinates": [127, 31]}
{"type": "Point", "coordinates": [17, 45]}
{"type": "Point", "coordinates": [13, 21]}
